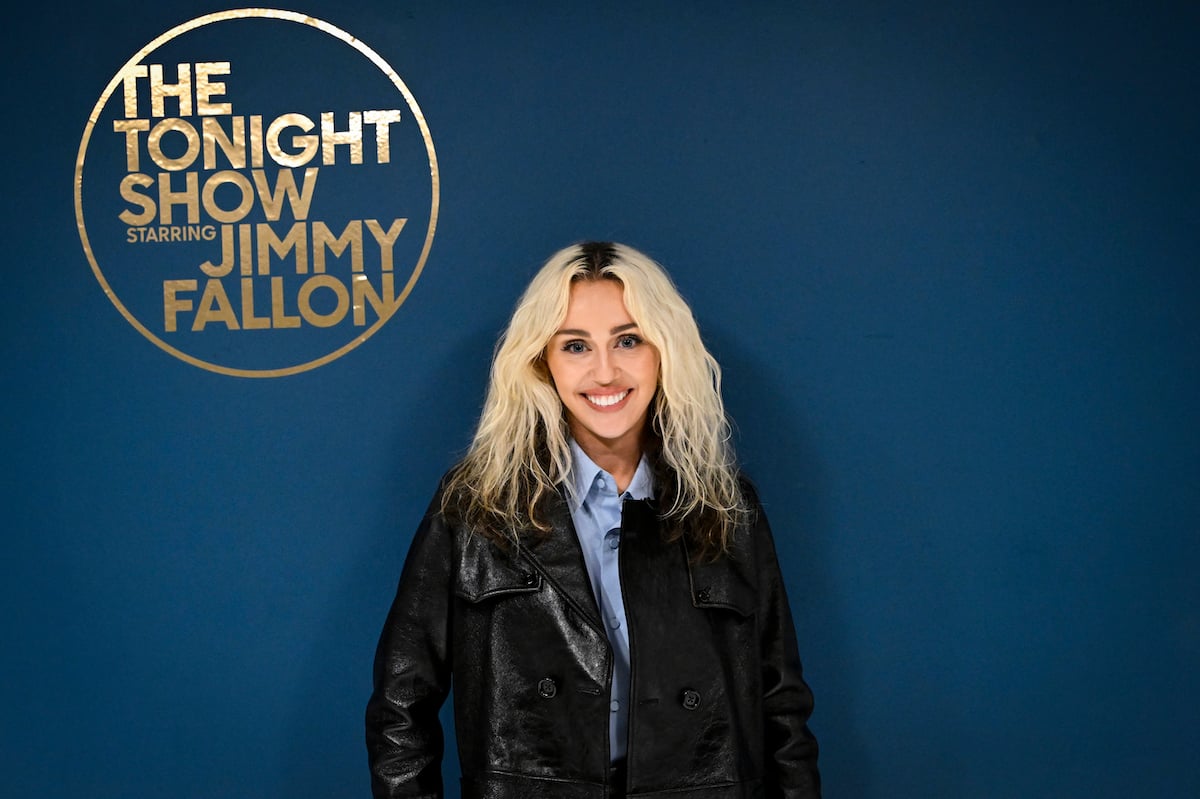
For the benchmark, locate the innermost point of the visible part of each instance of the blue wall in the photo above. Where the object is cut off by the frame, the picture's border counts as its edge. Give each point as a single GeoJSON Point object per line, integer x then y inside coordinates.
{"type": "Point", "coordinates": [947, 256]}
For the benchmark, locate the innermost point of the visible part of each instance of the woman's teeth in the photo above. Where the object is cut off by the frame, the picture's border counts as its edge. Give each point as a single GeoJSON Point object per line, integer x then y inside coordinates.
{"type": "Point", "coordinates": [607, 399]}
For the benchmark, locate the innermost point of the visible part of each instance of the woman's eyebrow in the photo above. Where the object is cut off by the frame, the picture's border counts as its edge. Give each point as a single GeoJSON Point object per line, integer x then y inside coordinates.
{"type": "Point", "coordinates": [574, 331]}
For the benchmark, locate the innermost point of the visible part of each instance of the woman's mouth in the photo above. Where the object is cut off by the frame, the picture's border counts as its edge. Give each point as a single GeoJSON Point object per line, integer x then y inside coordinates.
{"type": "Point", "coordinates": [607, 400]}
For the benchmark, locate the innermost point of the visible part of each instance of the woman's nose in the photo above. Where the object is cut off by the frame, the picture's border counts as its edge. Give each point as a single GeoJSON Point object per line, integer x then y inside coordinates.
{"type": "Point", "coordinates": [605, 369]}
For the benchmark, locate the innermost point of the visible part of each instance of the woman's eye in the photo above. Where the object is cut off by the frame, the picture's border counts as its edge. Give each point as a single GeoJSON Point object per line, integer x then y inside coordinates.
{"type": "Point", "coordinates": [574, 347]}
{"type": "Point", "coordinates": [628, 342]}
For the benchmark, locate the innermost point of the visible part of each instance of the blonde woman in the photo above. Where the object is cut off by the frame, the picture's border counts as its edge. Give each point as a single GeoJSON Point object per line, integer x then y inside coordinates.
{"type": "Point", "coordinates": [595, 576]}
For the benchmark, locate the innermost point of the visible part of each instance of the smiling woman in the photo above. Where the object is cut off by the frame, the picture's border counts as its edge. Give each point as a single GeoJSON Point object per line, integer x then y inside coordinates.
{"type": "Point", "coordinates": [605, 375]}
{"type": "Point", "coordinates": [595, 571]}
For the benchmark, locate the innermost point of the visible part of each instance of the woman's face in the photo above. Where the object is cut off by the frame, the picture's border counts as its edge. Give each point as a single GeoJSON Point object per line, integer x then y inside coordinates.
{"type": "Point", "coordinates": [604, 372]}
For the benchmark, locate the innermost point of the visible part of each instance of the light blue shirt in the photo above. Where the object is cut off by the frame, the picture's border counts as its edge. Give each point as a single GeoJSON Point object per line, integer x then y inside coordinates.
{"type": "Point", "coordinates": [596, 511]}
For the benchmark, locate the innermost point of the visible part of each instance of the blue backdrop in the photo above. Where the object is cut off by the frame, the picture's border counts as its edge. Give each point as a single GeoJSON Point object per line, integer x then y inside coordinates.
{"type": "Point", "coordinates": [945, 252]}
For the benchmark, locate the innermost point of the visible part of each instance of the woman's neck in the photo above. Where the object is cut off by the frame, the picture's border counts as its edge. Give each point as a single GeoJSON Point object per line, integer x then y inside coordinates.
{"type": "Point", "coordinates": [620, 458]}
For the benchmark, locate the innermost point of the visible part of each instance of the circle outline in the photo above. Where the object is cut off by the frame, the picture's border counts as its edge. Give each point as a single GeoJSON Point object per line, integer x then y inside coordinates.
{"type": "Point", "coordinates": [289, 16]}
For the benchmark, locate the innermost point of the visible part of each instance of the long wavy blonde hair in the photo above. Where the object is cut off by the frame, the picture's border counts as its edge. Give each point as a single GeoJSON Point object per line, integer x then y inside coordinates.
{"type": "Point", "coordinates": [520, 453]}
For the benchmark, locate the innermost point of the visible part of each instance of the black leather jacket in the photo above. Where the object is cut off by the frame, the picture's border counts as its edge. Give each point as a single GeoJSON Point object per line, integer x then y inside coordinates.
{"type": "Point", "coordinates": [718, 706]}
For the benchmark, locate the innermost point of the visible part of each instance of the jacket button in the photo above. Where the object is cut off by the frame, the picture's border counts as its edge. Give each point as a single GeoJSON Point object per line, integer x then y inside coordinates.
{"type": "Point", "coordinates": [530, 578]}
{"type": "Point", "coordinates": [691, 699]}
{"type": "Point", "coordinates": [547, 688]}
{"type": "Point", "coordinates": [703, 595]}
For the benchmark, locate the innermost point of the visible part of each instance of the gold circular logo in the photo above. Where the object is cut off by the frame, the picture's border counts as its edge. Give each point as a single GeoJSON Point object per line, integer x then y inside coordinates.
{"type": "Point", "coordinates": [257, 192]}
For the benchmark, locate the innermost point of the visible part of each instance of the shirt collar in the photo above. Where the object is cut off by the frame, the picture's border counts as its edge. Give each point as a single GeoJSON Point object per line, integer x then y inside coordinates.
{"type": "Point", "coordinates": [584, 471]}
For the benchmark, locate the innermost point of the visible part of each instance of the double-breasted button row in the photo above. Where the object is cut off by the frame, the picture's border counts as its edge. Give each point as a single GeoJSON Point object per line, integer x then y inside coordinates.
{"type": "Point", "coordinates": [548, 689]}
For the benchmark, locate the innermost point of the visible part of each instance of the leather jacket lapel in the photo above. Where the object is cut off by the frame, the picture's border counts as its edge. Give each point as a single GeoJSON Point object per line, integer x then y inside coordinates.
{"type": "Point", "coordinates": [559, 559]}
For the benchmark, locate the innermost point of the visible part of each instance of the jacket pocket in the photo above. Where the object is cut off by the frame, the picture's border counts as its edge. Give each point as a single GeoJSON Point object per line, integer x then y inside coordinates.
{"type": "Point", "coordinates": [726, 584]}
{"type": "Point", "coordinates": [485, 572]}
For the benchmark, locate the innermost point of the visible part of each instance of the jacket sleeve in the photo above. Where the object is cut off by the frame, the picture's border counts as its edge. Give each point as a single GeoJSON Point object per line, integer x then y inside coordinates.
{"type": "Point", "coordinates": [412, 670]}
{"type": "Point", "coordinates": [791, 748]}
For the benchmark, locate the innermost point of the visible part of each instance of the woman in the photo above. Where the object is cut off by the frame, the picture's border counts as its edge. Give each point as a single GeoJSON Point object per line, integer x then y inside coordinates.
{"type": "Point", "coordinates": [595, 575]}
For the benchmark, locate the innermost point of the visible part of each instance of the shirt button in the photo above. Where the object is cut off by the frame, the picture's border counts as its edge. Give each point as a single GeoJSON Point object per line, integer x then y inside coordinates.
{"type": "Point", "coordinates": [613, 538]}
{"type": "Point", "coordinates": [614, 706]}
{"type": "Point", "coordinates": [614, 622]}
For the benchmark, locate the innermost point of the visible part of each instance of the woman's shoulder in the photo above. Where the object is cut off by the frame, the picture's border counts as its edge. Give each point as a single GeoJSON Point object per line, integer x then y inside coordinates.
{"type": "Point", "coordinates": [450, 486]}
{"type": "Point", "coordinates": [748, 488]}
